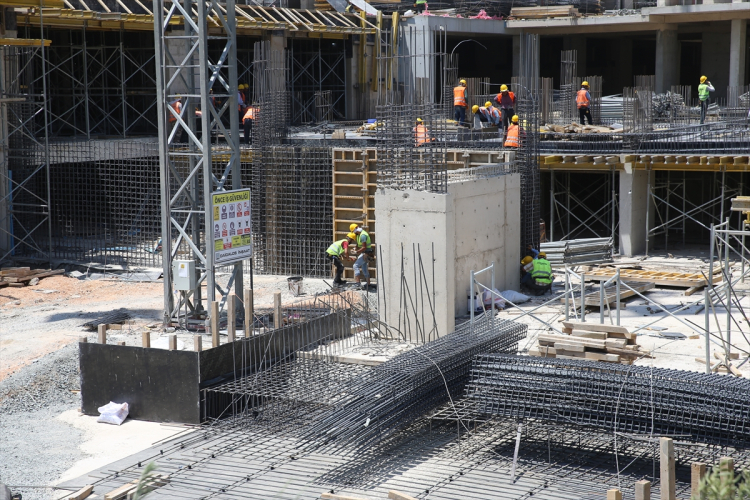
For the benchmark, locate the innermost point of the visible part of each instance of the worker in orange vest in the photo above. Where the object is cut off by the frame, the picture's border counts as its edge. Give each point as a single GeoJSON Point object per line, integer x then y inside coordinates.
{"type": "Point", "coordinates": [421, 134]}
{"type": "Point", "coordinates": [176, 105]}
{"type": "Point", "coordinates": [460, 103]}
{"type": "Point", "coordinates": [247, 121]}
{"type": "Point", "coordinates": [506, 101]}
{"type": "Point", "coordinates": [513, 139]}
{"type": "Point", "coordinates": [583, 101]}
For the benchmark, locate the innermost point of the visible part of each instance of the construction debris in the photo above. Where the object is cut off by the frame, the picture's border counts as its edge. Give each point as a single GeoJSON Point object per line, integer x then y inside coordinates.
{"type": "Point", "coordinates": [577, 128]}
{"type": "Point", "coordinates": [22, 276]}
{"type": "Point", "coordinates": [117, 317]}
{"type": "Point", "coordinates": [659, 278]}
{"type": "Point", "coordinates": [576, 252]}
{"type": "Point", "coordinates": [594, 342]}
{"type": "Point", "coordinates": [610, 294]}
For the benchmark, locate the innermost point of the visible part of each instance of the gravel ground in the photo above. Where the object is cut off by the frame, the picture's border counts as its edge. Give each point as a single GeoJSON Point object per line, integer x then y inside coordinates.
{"type": "Point", "coordinates": [35, 448]}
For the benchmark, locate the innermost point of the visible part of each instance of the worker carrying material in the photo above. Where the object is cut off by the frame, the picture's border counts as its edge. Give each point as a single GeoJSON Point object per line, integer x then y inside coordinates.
{"type": "Point", "coordinates": [541, 275]}
{"type": "Point", "coordinates": [421, 134]}
{"type": "Point", "coordinates": [506, 101]}
{"type": "Point", "coordinates": [460, 103]}
{"type": "Point", "coordinates": [247, 120]}
{"type": "Point", "coordinates": [513, 139]}
{"type": "Point", "coordinates": [703, 95]}
{"type": "Point", "coordinates": [420, 5]}
{"type": "Point", "coordinates": [365, 252]}
{"type": "Point", "coordinates": [336, 252]}
{"type": "Point", "coordinates": [583, 101]}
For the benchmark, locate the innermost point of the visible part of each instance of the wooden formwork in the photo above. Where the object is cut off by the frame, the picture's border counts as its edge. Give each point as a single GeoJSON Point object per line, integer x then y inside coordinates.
{"type": "Point", "coordinates": [355, 181]}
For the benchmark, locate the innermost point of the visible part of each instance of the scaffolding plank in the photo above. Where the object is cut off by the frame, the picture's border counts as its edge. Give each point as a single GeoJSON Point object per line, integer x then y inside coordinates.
{"type": "Point", "coordinates": [683, 280]}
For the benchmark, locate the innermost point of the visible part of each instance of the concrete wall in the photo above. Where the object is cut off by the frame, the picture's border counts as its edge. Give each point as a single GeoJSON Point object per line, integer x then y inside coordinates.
{"type": "Point", "coordinates": [715, 61]}
{"type": "Point", "coordinates": [634, 200]}
{"type": "Point", "coordinates": [474, 224]}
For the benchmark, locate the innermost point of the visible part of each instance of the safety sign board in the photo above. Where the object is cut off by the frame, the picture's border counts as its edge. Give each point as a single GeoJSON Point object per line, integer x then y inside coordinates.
{"type": "Point", "coordinates": [232, 229]}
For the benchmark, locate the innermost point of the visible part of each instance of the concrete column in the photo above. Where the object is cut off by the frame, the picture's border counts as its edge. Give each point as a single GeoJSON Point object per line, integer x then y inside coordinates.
{"type": "Point", "coordinates": [625, 62]}
{"type": "Point", "coordinates": [5, 223]}
{"type": "Point", "coordinates": [516, 55]}
{"type": "Point", "coordinates": [577, 43]}
{"type": "Point", "coordinates": [715, 61]}
{"type": "Point", "coordinates": [633, 202]}
{"type": "Point", "coordinates": [178, 49]}
{"type": "Point", "coordinates": [667, 59]}
{"type": "Point", "coordinates": [737, 47]}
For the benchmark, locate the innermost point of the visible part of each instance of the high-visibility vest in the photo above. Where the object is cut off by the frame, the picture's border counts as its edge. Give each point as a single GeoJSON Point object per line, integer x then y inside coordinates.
{"type": "Point", "coordinates": [581, 100]}
{"type": "Point", "coordinates": [336, 249]}
{"type": "Point", "coordinates": [177, 106]}
{"type": "Point", "coordinates": [494, 115]}
{"type": "Point", "coordinates": [512, 140]}
{"type": "Point", "coordinates": [368, 241]}
{"type": "Point", "coordinates": [459, 96]}
{"type": "Point", "coordinates": [703, 91]}
{"type": "Point", "coordinates": [421, 135]}
{"type": "Point", "coordinates": [510, 99]}
{"type": "Point", "coordinates": [542, 272]}
{"type": "Point", "coordinates": [249, 114]}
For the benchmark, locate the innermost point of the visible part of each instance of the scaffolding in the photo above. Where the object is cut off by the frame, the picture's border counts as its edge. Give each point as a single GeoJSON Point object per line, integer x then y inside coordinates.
{"type": "Point", "coordinates": [317, 67]}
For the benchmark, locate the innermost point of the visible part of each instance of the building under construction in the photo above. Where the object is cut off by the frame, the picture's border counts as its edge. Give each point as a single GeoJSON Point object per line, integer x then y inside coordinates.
{"type": "Point", "coordinates": [126, 143]}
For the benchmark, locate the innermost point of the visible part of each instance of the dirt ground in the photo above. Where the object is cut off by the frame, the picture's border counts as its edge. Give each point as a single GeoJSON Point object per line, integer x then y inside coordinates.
{"type": "Point", "coordinates": [40, 319]}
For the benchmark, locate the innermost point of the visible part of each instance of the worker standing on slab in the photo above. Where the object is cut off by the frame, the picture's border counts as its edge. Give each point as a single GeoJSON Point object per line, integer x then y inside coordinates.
{"type": "Point", "coordinates": [421, 134]}
{"type": "Point", "coordinates": [703, 95]}
{"type": "Point", "coordinates": [420, 5]}
{"type": "Point", "coordinates": [460, 103]}
{"type": "Point", "coordinates": [506, 101]}
{"type": "Point", "coordinates": [336, 252]}
{"type": "Point", "coordinates": [583, 101]}
{"type": "Point", "coordinates": [541, 275]}
{"type": "Point", "coordinates": [365, 252]}
{"type": "Point", "coordinates": [247, 121]}
{"type": "Point", "coordinates": [513, 139]}
{"type": "Point", "coordinates": [241, 100]}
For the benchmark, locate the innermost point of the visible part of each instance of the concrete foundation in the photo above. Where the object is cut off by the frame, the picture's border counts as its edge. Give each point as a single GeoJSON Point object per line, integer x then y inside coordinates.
{"type": "Point", "coordinates": [635, 202]}
{"type": "Point", "coordinates": [475, 224]}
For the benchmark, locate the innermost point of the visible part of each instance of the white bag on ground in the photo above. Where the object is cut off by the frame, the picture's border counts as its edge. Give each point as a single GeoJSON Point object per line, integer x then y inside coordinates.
{"type": "Point", "coordinates": [487, 299]}
{"type": "Point", "coordinates": [514, 297]}
{"type": "Point", "coordinates": [113, 413]}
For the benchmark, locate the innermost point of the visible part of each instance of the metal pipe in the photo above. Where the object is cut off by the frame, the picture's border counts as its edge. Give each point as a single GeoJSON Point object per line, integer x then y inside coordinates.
{"type": "Point", "coordinates": [728, 291]}
{"type": "Point", "coordinates": [601, 304]}
{"type": "Point", "coordinates": [567, 294]}
{"type": "Point", "coordinates": [707, 332]}
{"type": "Point", "coordinates": [583, 298]}
{"type": "Point", "coordinates": [617, 297]}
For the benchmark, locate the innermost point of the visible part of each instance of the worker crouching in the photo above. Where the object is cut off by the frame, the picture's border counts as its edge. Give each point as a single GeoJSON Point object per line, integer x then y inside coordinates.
{"type": "Point", "coordinates": [541, 277]}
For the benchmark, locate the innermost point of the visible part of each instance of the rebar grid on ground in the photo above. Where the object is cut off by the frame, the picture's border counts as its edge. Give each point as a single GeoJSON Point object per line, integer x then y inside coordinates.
{"type": "Point", "coordinates": [625, 399]}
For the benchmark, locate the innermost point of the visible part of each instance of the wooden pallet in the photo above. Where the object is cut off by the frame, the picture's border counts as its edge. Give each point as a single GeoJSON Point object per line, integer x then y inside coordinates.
{"type": "Point", "coordinates": [544, 12]}
{"type": "Point", "coordinates": [659, 278]}
{"type": "Point", "coordinates": [610, 294]}
{"type": "Point", "coordinates": [20, 276]}
{"type": "Point", "coordinates": [591, 341]}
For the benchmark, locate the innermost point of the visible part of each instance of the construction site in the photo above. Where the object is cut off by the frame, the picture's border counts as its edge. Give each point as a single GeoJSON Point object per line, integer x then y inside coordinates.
{"type": "Point", "coordinates": [365, 250]}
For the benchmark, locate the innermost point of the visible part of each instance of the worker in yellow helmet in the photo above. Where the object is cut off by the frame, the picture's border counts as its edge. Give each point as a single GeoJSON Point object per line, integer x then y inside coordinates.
{"type": "Point", "coordinates": [541, 275]}
{"type": "Point", "coordinates": [506, 102]}
{"type": "Point", "coordinates": [583, 101]}
{"type": "Point", "coordinates": [460, 103]}
{"type": "Point", "coordinates": [513, 138]}
{"type": "Point", "coordinates": [527, 265]}
{"type": "Point", "coordinates": [421, 134]}
{"type": "Point", "coordinates": [703, 96]}
{"type": "Point", "coordinates": [336, 252]}
{"type": "Point", "coordinates": [365, 252]}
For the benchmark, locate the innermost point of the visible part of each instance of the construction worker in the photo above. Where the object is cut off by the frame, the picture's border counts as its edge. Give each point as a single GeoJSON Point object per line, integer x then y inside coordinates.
{"type": "Point", "coordinates": [241, 101]}
{"type": "Point", "coordinates": [460, 100]}
{"type": "Point", "coordinates": [421, 134]}
{"type": "Point", "coordinates": [583, 101]}
{"type": "Point", "coordinates": [541, 274]}
{"type": "Point", "coordinates": [527, 265]}
{"type": "Point", "coordinates": [176, 105]}
{"type": "Point", "coordinates": [336, 253]}
{"type": "Point", "coordinates": [703, 95]}
{"type": "Point", "coordinates": [531, 252]}
{"type": "Point", "coordinates": [247, 121]}
{"type": "Point", "coordinates": [513, 138]}
{"type": "Point", "coordinates": [506, 101]}
{"type": "Point", "coordinates": [420, 5]}
{"type": "Point", "coordinates": [365, 252]}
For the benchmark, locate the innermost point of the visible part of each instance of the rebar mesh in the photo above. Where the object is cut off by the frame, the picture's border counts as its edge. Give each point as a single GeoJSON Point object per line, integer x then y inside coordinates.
{"type": "Point", "coordinates": [628, 399]}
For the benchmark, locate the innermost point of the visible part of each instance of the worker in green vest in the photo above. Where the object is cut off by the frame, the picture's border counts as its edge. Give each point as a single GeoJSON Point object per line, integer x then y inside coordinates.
{"type": "Point", "coordinates": [703, 95]}
{"type": "Point", "coordinates": [365, 252]}
{"type": "Point", "coordinates": [420, 5]}
{"type": "Point", "coordinates": [541, 275]}
{"type": "Point", "coordinates": [336, 253]}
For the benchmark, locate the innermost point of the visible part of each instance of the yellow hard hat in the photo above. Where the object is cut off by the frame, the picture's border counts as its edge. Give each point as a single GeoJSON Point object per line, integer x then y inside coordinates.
{"type": "Point", "coordinates": [503, 88]}
{"type": "Point", "coordinates": [474, 108]}
{"type": "Point", "coordinates": [462, 82]}
{"type": "Point", "coordinates": [419, 120]}
{"type": "Point", "coordinates": [585, 84]}
{"type": "Point", "coordinates": [542, 255]}
{"type": "Point", "coordinates": [526, 260]}
{"type": "Point", "coordinates": [514, 119]}
{"type": "Point", "coordinates": [487, 104]}
{"type": "Point", "coordinates": [351, 236]}
{"type": "Point", "coordinates": [352, 227]}
{"type": "Point", "coordinates": [704, 78]}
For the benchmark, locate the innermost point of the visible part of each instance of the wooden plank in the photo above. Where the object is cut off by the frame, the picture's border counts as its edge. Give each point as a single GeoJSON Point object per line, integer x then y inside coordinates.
{"type": "Point", "coordinates": [598, 356]}
{"type": "Point", "coordinates": [589, 335]}
{"type": "Point", "coordinates": [331, 496]}
{"type": "Point", "coordinates": [122, 491]}
{"type": "Point", "coordinates": [594, 327]}
{"type": "Point", "coordinates": [569, 347]}
{"type": "Point", "coordinates": [82, 493]}
{"type": "Point", "coordinates": [690, 291]}
{"type": "Point", "coordinates": [597, 344]}
{"type": "Point", "coordinates": [610, 293]}
{"type": "Point", "coordinates": [569, 354]}
{"type": "Point", "coordinates": [538, 354]}
{"type": "Point", "coordinates": [395, 495]}
{"type": "Point", "coordinates": [684, 280]}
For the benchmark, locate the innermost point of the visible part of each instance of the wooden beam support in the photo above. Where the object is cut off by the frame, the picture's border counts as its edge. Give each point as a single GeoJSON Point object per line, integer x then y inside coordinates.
{"type": "Point", "coordinates": [614, 494]}
{"type": "Point", "coordinates": [102, 333]}
{"type": "Point", "coordinates": [146, 339]}
{"type": "Point", "coordinates": [197, 343]}
{"type": "Point", "coordinates": [215, 340]}
{"type": "Point", "coordinates": [395, 495]}
{"type": "Point", "coordinates": [697, 473]}
{"type": "Point", "coordinates": [666, 469]}
{"type": "Point", "coordinates": [643, 490]}
{"type": "Point", "coordinates": [277, 310]}
{"type": "Point", "coordinates": [249, 312]}
{"type": "Point", "coordinates": [231, 318]}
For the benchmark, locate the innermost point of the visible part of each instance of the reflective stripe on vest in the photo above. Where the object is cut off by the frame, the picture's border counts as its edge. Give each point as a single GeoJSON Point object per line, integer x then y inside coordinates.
{"type": "Point", "coordinates": [542, 272]}
{"type": "Point", "coordinates": [494, 114]}
{"type": "Point", "coordinates": [459, 96]}
{"type": "Point", "coordinates": [368, 241]}
{"type": "Point", "coordinates": [249, 114]}
{"type": "Point", "coordinates": [336, 249]}
{"type": "Point", "coordinates": [420, 134]}
{"type": "Point", "coordinates": [512, 140]}
{"type": "Point", "coordinates": [581, 100]}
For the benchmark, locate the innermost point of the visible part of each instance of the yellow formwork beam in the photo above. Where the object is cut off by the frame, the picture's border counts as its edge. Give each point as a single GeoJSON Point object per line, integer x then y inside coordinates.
{"type": "Point", "coordinates": [679, 163]}
{"type": "Point", "coordinates": [33, 3]}
{"type": "Point", "coordinates": [23, 42]}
